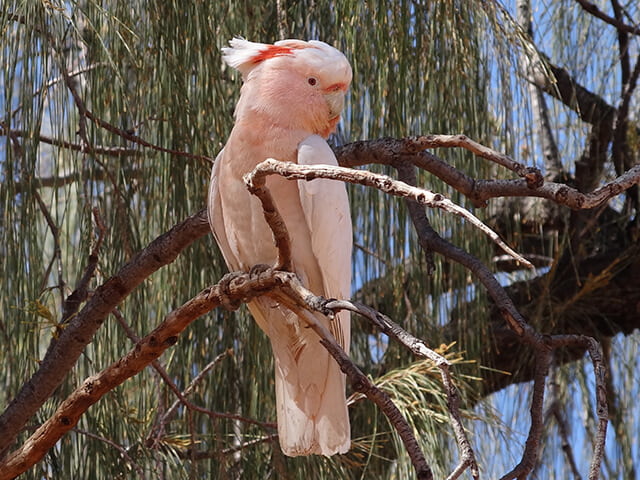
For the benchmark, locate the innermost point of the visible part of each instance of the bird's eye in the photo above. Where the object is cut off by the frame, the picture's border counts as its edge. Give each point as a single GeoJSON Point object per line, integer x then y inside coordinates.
{"type": "Point", "coordinates": [312, 81]}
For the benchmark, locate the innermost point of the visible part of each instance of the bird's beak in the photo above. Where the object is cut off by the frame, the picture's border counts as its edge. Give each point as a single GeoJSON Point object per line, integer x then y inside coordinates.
{"type": "Point", "coordinates": [335, 102]}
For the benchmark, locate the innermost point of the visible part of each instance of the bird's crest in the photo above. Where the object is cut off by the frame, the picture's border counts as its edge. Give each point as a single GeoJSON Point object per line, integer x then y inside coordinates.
{"type": "Point", "coordinates": [244, 55]}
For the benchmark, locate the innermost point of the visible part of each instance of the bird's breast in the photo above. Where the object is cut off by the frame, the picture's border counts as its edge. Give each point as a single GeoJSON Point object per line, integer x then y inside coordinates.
{"type": "Point", "coordinates": [249, 235]}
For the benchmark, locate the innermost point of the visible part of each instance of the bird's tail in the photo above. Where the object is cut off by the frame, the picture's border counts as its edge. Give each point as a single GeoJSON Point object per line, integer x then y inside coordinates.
{"type": "Point", "coordinates": [310, 388]}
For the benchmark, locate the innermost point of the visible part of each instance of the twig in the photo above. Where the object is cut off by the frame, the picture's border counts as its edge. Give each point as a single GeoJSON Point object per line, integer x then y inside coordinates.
{"type": "Point", "coordinates": [120, 448]}
{"type": "Point", "coordinates": [384, 183]}
{"type": "Point", "coordinates": [420, 349]}
{"type": "Point", "coordinates": [57, 253]}
{"type": "Point", "coordinates": [531, 174]}
{"type": "Point", "coordinates": [191, 387]}
{"type": "Point", "coordinates": [542, 349]}
{"type": "Point", "coordinates": [85, 113]}
{"type": "Point", "coordinates": [202, 455]}
{"type": "Point", "coordinates": [109, 151]}
{"type": "Point", "coordinates": [467, 455]}
{"type": "Point", "coordinates": [140, 141]}
{"type": "Point", "coordinates": [54, 81]}
{"type": "Point", "coordinates": [74, 300]}
{"type": "Point", "coordinates": [593, 9]}
{"type": "Point", "coordinates": [533, 65]}
{"type": "Point", "coordinates": [371, 253]}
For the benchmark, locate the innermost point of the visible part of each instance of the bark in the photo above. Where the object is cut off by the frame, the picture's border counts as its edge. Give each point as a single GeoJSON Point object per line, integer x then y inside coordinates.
{"type": "Point", "coordinates": [598, 297]}
{"type": "Point", "coordinates": [64, 351]}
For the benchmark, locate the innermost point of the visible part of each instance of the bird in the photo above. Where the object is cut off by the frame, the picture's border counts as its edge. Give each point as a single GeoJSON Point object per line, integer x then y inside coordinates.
{"type": "Point", "coordinates": [291, 100]}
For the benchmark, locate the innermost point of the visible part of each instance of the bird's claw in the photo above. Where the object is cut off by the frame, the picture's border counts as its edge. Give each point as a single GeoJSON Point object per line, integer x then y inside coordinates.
{"type": "Point", "coordinates": [320, 304]}
{"type": "Point", "coordinates": [224, 292]}
{"type": "Point", "coordinates": [258, 269]}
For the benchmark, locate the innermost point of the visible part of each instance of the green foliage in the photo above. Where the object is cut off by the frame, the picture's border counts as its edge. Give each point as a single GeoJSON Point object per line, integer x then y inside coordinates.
{"type": "Point", "coordinates": [153, 69]}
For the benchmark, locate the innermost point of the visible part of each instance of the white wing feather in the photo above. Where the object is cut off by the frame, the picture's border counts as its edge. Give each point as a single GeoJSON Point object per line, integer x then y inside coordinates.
{"type": "Point", "coordinates": [326, 211]}
{"type": "Point", "coordinates": [214, 211]}
{"type": "Point", "coordinates": [326, 208]}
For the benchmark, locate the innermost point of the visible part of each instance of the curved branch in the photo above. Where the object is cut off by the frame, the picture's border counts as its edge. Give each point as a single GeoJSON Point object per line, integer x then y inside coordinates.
{"type": "Point", "coordinates": [593, 9]}
{"type": "Point", "coordinates": [392, 151]}
{"type": "Point", "coordinates": [420, 349]}
{"type": "Point", "coordinates": [292, 171]}
{"type": "Point", "coordinates": [256, 184]}
{"type": "Point", "coordinates": [243, 287]}
{"type": "Point", "coordinates": [64, 351]}
{"type": "Point", "coordinates": [301, 301]}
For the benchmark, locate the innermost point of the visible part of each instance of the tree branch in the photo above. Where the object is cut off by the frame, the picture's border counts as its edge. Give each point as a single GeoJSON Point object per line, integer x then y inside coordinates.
{"type": "Point", "coordinates": [101, 150]}
{"type": "Point", "coordinates": [243, 287]}
{"type": "Point", "coordinates": [64, 351]}
{"type": "Point", "coordinates": [530, 174]}
{"type": "Point", "coordinates": [420, 349]}
{"type": "Point", "coordinates": [123, 451]}
{"type": "Point", "coordinates": [302, 301]}
{"type": "Point", "coordinates": [256, 184]}
{"type": "Point", "coordinates": [543, 345]}
{"type": "Point", "coordinates": [390, 151]}
{"type": "Point", "coordinates": [593, 9]}
{"type": "Point", "coordinates": [292, 171]}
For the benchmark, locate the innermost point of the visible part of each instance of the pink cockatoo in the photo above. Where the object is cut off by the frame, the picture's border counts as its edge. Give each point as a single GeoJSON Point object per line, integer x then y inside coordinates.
{"type": "Point", "coordinates": [291, 100]}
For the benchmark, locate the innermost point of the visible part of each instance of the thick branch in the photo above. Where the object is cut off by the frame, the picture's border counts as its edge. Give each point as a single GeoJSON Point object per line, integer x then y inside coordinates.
{"type": "Point", "coordinates": [145, 351]}
{"type": "Point", "coordinates": [63, 353]}
{"type": "Point", "coordinates": [390, 151]}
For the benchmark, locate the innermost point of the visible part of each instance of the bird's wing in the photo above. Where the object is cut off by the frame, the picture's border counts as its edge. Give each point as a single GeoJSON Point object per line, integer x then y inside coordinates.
{"type": "Point", "coordinates": [326, 210]}
{"type": "Point", "coordinates": [216, 219]}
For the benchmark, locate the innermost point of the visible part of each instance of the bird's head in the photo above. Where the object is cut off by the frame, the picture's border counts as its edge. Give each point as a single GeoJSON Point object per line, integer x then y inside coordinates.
{"type": "Point", "coordinates": [300, 84]}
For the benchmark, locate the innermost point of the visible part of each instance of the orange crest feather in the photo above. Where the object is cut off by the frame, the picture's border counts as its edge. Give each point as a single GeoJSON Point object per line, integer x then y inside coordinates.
{"type": "Point", "coordinates": [270, 52]}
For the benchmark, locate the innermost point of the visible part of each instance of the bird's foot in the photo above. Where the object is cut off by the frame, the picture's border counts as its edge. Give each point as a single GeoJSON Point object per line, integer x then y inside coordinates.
{"type": "Point", "coordinates": [224, 292]}
{"type": "Point", "coordinates": [323, 306]}
{"type": "Point", "coordinates": [258, 269]}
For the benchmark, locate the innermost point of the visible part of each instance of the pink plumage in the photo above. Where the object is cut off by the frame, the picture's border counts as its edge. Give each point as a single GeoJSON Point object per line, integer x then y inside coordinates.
{"type": "Point", "coordinates": [291, 100]}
